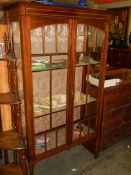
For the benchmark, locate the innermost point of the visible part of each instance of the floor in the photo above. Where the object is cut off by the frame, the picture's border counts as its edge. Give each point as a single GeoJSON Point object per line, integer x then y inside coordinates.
{"type": "Point", "coordinates": [115, 160]}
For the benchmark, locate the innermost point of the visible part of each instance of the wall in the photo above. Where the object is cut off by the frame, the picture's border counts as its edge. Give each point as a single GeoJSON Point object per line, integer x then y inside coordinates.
{"type": "Point", "coordinates": [126, 3]}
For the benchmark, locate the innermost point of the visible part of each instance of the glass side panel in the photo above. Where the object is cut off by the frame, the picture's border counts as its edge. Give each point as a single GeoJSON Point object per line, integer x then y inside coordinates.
{"type": "Point", "coordinates": [15, 32]}
{"type": "Point", "coordinates": [16, 38]}
{"type": "Point", "coordinates": [88, 59]}
{"type": "Point", "coordinates": [49, 72]}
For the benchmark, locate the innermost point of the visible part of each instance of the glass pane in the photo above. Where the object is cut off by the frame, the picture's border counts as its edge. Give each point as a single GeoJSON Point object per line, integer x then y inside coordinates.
{"type": "Point", "coordinates": [62, 33]}
{"type": "Point", "coordinates": [41, 97]}
{"type": "Point", "coordinates": [49, 37]}
{"type": "Point", "coordinates": [15, 32]}
{"type": "Point", "coordinates": [49, 72]}
{"type": "Point", "coordinates": [16, 39]}
{"type": "Point", "coordinates": [36, 41]}
{"type": "Point", "coordinates": [80, 38]}
{"type": "Point", "coordinates": [61, 135]}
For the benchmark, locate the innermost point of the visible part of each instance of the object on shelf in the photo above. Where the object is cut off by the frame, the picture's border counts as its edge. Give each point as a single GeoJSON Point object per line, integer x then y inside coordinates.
{"type": "Point", "coordinates": [37, 109]}
{"type": "Point", "coordinates": [40, 142]}
{"type": "Point", "coordinates": [80, 98]}
{"type": "Point", "coordinates": [78, 130]}
{"type": "Point", "coordinates": [38, 66]}
{"type": "Point", "coordinates": [82, 3]}
{"type": "Point", "coordinates": [78, 127]}
{"type": "Point", "coordinates": [45, 64]}
{"type": "Point", "coordinates": [108, 83]}
{"type": "Point", "coordinates": [78, 133]}
{"type": "Point", "coordinates": [58, 100]}
{"type": "Point", "coordinates": [84, 59]}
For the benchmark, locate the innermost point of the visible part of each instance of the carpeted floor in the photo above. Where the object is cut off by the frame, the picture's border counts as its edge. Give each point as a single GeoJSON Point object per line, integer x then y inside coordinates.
{"type": "Point", "coordinates": [115, 160]}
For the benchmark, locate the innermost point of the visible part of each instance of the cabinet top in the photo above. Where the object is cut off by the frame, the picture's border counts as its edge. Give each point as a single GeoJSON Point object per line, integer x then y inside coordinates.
{"type": "Point", "coordinates": [35, 8]}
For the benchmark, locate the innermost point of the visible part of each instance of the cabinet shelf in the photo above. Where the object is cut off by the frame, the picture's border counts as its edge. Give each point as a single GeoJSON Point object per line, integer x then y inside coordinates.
{"type": "Point", "coordinates": [83, 63]}
{"type": "Point", "coordinates": [8, 58]}
{"type": "Point", "coordinates": [9, 98]}
{"type": "Point", "coordinates": [11, 169]}
{"type": "Point", "coordinates": [44, 109]}
{"type": "Point", "coordinates": [10, 140]}
{"type": "Point", "coordinates": [46, 112]}
{"type": "Point", "coordinates": [63, 67]}
{"type": "Point", "coordinates": [47, 69]}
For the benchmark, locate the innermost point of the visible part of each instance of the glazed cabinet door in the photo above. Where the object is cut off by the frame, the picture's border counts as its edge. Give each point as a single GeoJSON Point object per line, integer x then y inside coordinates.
{"type": "Point", "coordinates": [49, 55]}
{"type": "Point", "coordinates": [88, 66]}
{"type": "Point", "coordinates": [43, 83]}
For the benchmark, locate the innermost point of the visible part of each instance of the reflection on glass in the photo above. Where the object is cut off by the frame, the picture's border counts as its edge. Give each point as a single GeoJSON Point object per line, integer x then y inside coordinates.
{"type": "Point", "coordinates": [41, 81]}
{"type": "Point", "coordinates": [62, 33]}
{"type": "Point", "coordinates": [49, 35]}
{"type": "Point", "coordinates": [99, 39]}
{"type": "Point", "coordinates": [80, 38]}
{"type": "Point", "coordinates": [50, 39]}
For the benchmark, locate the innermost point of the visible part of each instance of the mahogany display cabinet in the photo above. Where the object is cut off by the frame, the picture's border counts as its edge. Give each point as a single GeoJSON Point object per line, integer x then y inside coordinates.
{"type": "Point", "coordinates": [58, 49]}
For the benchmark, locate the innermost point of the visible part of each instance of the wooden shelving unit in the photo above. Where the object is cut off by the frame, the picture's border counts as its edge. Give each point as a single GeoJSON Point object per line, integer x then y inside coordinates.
{"type": "Point", "coordinates": [12, 139]}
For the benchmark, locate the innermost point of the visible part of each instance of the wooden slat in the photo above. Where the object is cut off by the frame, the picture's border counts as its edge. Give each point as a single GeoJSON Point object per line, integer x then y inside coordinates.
{"type": "Point", "coordinates": [10, 140]}
{"type": "Point", "coordinates": [8, 98]}
{"type": "Point", "coordinates": [11, 169]}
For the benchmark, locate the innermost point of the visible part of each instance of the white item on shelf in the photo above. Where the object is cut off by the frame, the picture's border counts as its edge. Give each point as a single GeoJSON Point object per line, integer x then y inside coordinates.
{"type": "Point", "coordinates": [108, 83]}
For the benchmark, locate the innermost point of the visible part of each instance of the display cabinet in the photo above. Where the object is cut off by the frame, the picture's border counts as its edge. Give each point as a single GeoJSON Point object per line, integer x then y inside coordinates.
{"type": "Point", "coordinates": [58, 50]}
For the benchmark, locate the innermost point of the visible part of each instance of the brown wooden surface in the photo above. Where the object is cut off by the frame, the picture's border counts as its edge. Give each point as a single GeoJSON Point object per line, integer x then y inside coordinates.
{"type": "Point", "coordinates": [119, 58]}
{"type": "Point", "coordinates": [11, 169]}
{"type": "Point", "coordinates": [10, 140]}
{"type": "Point", "coordinates": [116, 108]}
{"type": "Point", "coordinates": [115, 135]}
{"type": "Point", "coordinates": [8, 98]}
{"type": "Point", "coordinates": [116, 123]}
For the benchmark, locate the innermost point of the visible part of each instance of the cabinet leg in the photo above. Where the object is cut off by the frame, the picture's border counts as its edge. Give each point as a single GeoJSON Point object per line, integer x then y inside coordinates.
{"type": "Point", "coordinates": [6, 157]}
{"type": "Point", "coordinates": [31, 169]}
{"type": "Point", "coordinates": [23, 162]}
